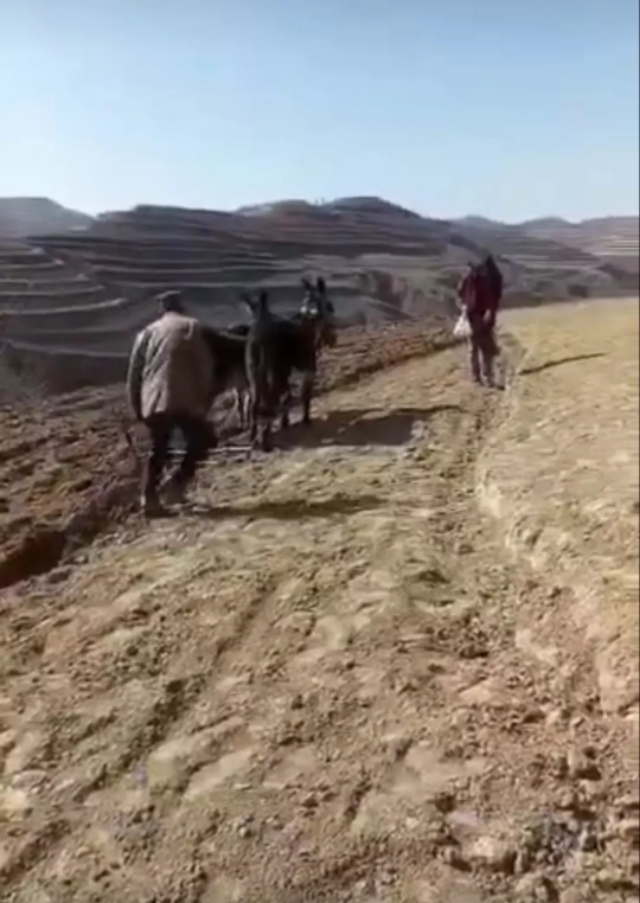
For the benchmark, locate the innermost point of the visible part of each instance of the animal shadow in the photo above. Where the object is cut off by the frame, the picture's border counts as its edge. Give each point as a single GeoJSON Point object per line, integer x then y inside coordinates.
{"type": "Point", "coordinates": [528, 371]}
{"type": "Point", "coordinates": [360, 427]}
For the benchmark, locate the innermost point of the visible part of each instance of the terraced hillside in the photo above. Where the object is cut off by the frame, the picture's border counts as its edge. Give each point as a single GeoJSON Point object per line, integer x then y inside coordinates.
{"type": "Point", "coordinates": [71, 302]}
{"type": "Point", "coordinates": [612, 239]}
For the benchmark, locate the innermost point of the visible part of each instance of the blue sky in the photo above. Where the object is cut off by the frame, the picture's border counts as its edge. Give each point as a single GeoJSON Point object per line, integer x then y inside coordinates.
{"type": "Point", "coordinates": [501, 108]}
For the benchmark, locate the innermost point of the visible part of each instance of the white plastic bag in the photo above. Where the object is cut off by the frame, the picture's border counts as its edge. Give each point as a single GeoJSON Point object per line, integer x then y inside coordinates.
{"type": "Point", "coordinates": [462, 330]}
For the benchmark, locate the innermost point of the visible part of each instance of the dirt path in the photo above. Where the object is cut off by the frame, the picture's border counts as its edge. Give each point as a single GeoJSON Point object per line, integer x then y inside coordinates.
{"type": "Point", "coordinates": [330, 686]}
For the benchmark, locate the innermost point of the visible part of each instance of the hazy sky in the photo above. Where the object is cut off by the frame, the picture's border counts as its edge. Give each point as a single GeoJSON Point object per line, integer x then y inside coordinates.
{"type": "Point", "coordinates": [506, 108]}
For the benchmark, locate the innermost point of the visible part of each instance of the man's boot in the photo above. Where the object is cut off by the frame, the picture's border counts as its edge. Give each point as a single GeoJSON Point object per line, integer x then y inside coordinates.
{"type": "Point", "coordinates": [151, 507]}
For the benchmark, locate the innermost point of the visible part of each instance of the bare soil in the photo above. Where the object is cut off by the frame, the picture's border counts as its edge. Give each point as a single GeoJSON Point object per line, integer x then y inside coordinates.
{"type": "Point", "coordinates": [66, 469]}
{"type": "Point", "coordinates": [324, 681]}
{"type": "Point", "coordinates": [561, 473]}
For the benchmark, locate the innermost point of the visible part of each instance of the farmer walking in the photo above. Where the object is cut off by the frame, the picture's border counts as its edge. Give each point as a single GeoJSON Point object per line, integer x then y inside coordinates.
{"type": "Point", "coordinates": [480, 292]}
{"type": "Point", "coordinates": [169, 387]}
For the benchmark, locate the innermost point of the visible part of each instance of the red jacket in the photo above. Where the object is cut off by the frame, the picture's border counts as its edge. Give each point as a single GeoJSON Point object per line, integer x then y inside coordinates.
{"type": "Point", "coordinates": [476, 295]}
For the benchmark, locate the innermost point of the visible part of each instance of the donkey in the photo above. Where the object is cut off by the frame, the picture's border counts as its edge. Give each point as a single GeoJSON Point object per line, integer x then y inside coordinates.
{"type": "Point", "coordinates": [277, 346]}
{"type": "Point", "coordinates": [239, 385]}
{"type": "Point", "coordinates": [316, 330]}
{"type": "Point", "coordinates": [263, 371]}
{"type": "Point", "coordinates": [228, 353]}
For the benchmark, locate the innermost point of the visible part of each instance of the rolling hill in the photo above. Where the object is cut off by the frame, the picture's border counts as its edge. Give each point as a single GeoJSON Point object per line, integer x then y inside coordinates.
{"type": "Point", "coordinates": [21, 217]}
{"type": "Point", "coordinates": [72, 297]}
{"type": "Point", "coordinates": [613, 239]}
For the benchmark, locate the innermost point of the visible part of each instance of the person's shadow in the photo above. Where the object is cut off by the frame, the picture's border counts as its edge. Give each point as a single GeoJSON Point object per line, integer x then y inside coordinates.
{"type": "Point", "coordinates": [290, 509]}
{"type": "Point", "coordinates": [359, 427]}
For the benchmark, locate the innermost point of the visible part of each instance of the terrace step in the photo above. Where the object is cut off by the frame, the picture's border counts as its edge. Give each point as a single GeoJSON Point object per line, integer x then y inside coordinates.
{"type": "Point", "coordinates": [82, 315]}
{"type": "Point", "coordinates": [202, 276]}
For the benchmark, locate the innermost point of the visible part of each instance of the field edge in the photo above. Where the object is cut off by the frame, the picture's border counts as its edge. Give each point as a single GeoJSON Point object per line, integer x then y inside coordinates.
{"type": "Point", "coordinates": [515, 483]}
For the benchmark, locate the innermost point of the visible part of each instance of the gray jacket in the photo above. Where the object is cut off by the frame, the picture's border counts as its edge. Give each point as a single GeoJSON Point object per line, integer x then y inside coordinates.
{"type": "Point", "coordinates": [170, 369]}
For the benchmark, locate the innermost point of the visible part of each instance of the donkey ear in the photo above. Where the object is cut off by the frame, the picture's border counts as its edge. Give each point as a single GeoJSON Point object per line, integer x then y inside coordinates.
{"type": "Point", "coordinates": [263, 300]}
{"type": "Point", "coordinates": [306, 284]}
{"type": "Point", "coordinates": [320, 285]}
{"type": "Point", "coordinates": [248, 302]}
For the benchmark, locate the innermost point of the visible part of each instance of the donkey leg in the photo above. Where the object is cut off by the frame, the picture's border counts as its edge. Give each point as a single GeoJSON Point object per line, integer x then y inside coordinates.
{"type": "Point", "coordinates": [236, 404]}
{"type": "Point", "coordinates": [245, 411]}
{"type": "Point", "coordinates": [266, 438]}
{"type": "Point", "coordinates": [286, 408]}
{"type": "Point", "coordinates": [306, 394]}
{"type": "Point", "coordinates": [254, 411]}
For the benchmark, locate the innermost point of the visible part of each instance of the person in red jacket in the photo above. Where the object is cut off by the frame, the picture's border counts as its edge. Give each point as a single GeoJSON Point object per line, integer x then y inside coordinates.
{"type": "Point", "coordinates": [480, 292]}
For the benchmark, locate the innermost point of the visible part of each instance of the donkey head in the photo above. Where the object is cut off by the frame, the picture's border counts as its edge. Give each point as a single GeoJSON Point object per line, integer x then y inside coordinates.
{"type": "Point", "coordinates": [319, 310]}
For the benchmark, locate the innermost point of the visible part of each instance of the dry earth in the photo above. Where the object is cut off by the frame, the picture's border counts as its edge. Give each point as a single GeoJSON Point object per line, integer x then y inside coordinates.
{"type": "Point", "coordinates": [66, 469]}
{"type": "Point", "coordinates": [562, 472]}
{"type": "Point", "coordinates": [326, 681]}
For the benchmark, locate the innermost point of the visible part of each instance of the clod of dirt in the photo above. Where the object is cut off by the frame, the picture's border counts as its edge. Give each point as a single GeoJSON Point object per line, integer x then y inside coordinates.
{"type": "Point", "coordinates": [613, 879]}
{"type": "Point", "coordinates": [629, 830]}
{"type": "Point", "coordinates": [455, 859]}
{"type": "Point", "coordinates": [399, 747]}
{"type": "Point", "coordinates": [492, 854]}
{"type": "Point", "coordinates": [551, 839]}
{"type": "Point", "coordinates": [38, 553]}
{"type": "Point", "coordinates": [536, 888]}
{"type": "Point", "coordinates": [627, 804]}
{"type": "Point", "coordinates": [582, 766]}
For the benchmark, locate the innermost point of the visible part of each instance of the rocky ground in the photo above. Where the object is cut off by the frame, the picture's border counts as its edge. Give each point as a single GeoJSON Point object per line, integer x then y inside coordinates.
{"type": "Point", "coordinates": [324, 681]}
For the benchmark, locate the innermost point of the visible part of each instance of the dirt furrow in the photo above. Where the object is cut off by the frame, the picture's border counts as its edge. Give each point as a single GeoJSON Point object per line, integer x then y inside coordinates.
{"type": "Point", "coordinates": [325, 682]}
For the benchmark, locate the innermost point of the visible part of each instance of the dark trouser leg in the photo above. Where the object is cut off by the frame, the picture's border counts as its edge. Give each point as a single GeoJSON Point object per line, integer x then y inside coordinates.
{"type": "Point", "coordinates": [160, 427]}
{"type": "Point", "coordinates": [487, 361]}
{"type": "Point", "coordinates": [199, 439]}
{"type": "Point", "coordinates": [488, 352]}
{"type": "Point", "coordinates": [474, 354]}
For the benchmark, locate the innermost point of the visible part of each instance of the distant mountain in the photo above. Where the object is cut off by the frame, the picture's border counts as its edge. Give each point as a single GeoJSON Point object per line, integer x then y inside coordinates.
{"type": "Point", "coordinates": [365, 205]}
{"type": "Point", "coordinates": [614, 239]}
{"type": "Point", "coordinates": [21, 217]}
{"type": "Point", "coordinates": [74, 292]}
{"type": "Point", "coordinates": [371, 205]}
{"type": "Point", "coordinates": [276, 208]}
{"type": "Point", "coordinates": [479, 222]}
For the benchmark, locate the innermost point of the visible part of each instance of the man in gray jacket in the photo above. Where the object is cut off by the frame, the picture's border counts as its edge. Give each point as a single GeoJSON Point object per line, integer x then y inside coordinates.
{"type": "Point", "coordinates": [169, 385]}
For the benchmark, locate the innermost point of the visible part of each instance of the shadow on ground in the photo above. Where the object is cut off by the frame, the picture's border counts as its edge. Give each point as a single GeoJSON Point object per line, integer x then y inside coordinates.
{"type": "Point", "coordinates": [528, 371]}
{"type": "Point", "coordinates": [358, 426]}
{"type": "Point", "coordinates": [292, 509]}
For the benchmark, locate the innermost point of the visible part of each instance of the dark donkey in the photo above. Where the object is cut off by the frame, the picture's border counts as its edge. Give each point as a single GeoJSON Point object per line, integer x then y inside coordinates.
{"type": "Point", "coordinates": [239, 384]}
{"type": "Point", "coordinates": [261, 351]}
{"type": "Point", "coordinates": [228, 350]}
{"type": "Point", "coordinates": [313, 329]}
{"type": "Point", "coordinates": [287, 345]}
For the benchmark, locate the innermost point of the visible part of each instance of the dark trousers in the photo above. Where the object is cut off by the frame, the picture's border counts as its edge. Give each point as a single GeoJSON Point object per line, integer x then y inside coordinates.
{"type": "Point", "coordinates": [482, 349]}
{"type": "Point", "coordinates": [198, 438]}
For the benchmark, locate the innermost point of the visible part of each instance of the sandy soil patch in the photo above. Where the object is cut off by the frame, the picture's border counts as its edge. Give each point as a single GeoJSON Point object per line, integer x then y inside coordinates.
{"type": "Point", "coordinates": [561, 472]}
{"type": "Point", "coordinates": [324, 683]}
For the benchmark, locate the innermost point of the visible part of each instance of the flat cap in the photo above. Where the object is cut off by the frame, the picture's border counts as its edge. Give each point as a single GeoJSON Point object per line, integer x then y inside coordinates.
{"type": "Point", "coordinates": [171, 301]}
